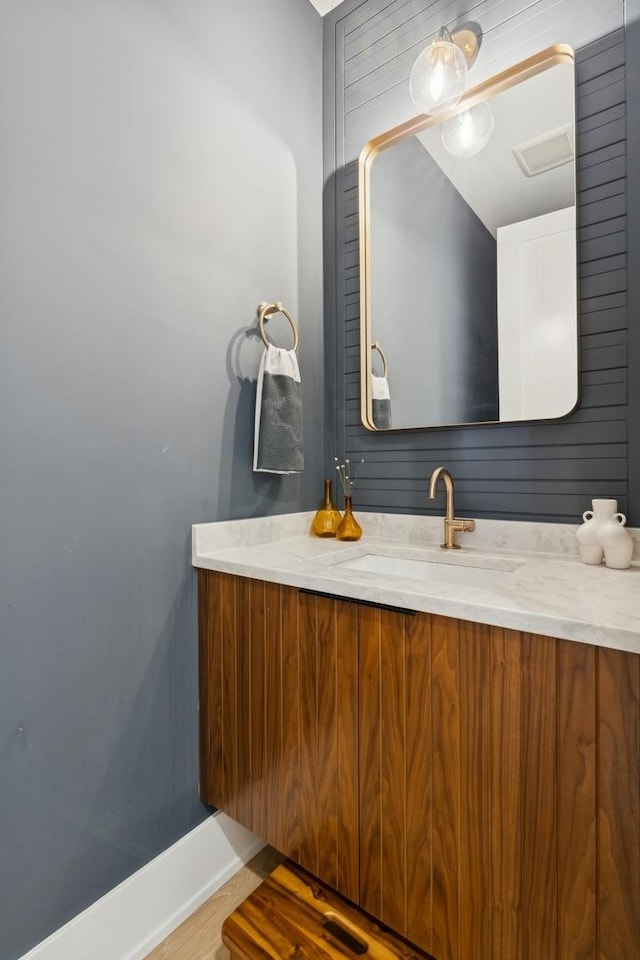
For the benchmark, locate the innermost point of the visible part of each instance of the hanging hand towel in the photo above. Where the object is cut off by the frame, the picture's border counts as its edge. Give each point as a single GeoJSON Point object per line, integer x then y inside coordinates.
{"type": "Point", "coordinates": [277, 446]}
{"type": "Point", "coordinates": [381, 406]}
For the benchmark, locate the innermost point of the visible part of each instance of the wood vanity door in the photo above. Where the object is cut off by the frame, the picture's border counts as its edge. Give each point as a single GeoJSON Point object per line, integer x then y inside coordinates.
{"type": "Point", "coordinates": [395, 769]}
{"type": "Point", "coordinates": [499, 790]}
{"type": "Point", "coordinates": [278, 719]}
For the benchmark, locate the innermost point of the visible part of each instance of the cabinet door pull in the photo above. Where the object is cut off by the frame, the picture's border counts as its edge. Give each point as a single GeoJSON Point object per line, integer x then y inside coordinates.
{"type": "Point", "coordinates": [359, 603]}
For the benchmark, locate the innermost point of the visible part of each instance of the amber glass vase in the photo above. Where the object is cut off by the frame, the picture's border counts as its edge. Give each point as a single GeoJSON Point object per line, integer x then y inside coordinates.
{"type": "Point", "coordinates": [327, 519]}
{"type": "Point", "coordinates": [349, 528]}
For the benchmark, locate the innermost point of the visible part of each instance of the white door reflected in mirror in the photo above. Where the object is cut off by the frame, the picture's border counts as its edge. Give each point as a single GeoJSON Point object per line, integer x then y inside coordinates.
{"type": "Point", "coordinates": [537, 315]}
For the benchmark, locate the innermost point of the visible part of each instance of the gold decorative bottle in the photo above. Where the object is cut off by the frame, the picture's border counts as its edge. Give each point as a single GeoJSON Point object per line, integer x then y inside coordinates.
{"type": "Point", "coordinates": [327, 519]}
{"type": "Point", "coordinates": [349, 528]}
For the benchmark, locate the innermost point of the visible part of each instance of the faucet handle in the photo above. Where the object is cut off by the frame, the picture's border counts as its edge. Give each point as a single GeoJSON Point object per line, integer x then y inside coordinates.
{"type": "Point", "coordinates": [453, 526]}
{"type": "Point", "coordinates": [460, 525]}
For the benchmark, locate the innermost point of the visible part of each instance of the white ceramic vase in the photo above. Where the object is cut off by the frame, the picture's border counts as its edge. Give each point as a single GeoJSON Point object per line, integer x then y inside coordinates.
{"type": "Point", "coordinates": [616, 542]}
{"type": "Point", "coordinates": [591, 550]}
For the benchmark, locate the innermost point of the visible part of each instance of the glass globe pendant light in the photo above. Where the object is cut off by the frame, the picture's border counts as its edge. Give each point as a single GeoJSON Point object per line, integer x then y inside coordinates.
{"type": "Point", "coordinates": [439, 76]}
{"type": "Point", "coordinates": [468, 132]}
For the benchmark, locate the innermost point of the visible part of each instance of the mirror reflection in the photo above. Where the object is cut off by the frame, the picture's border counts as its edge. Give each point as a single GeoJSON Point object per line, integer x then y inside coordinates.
{"type": "Point", "coordinates": [468, 257]}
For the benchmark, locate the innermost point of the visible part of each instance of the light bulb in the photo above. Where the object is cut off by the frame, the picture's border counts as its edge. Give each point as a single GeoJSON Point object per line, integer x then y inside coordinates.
{"type": "Point", "coordinates": [438, 77]}
{"type": "Point", "coordinates": [437, 83]}
{"type": "Point", "coordinates": [468, 132]}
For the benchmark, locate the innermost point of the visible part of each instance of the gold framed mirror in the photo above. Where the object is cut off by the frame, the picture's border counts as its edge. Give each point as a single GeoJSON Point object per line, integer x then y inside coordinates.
{"type": "Point", "coordinates": [468, 276]}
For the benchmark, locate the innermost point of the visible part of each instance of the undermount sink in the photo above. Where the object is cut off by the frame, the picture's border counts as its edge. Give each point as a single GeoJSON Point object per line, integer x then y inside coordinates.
{"type": "Point", "coordinates": [460, 570]}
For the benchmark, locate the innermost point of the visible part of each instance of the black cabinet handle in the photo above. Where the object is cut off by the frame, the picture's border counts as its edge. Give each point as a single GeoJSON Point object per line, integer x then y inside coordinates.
{"type": "Point", "coordinates": [361, 603]}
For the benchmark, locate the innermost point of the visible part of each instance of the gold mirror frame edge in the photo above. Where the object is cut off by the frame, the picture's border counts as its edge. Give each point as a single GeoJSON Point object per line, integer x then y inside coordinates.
{"type": "Point", "coordinates": [530, 67]}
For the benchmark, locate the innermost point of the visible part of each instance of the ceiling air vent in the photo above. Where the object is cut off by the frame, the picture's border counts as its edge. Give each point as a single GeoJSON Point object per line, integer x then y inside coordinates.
{"type": "Point", "coordinates": [546, 152]}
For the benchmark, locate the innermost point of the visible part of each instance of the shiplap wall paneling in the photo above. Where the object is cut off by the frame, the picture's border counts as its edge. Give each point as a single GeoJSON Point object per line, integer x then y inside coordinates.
{"type": "Point", "coordinates": [545, 470]}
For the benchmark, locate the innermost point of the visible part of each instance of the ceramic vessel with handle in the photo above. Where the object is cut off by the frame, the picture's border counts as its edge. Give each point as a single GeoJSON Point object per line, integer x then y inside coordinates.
{"type": "Point", "coordinates": [604, 511]}
{"type": "Point", "coordinates": [616, 542]}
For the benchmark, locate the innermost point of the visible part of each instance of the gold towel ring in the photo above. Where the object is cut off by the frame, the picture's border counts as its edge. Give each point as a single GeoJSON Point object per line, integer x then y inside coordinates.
{"type": "Point", "coordinates": [385, 365]}
{"type": "Point", "coordinates": [266, 310]}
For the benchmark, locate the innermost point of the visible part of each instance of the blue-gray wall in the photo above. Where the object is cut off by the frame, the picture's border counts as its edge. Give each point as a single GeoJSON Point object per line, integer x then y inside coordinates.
{"type": "Point", "coordinates": [440, 336]}
{"type": "Point", "coordinates": [160, 175]}
{"type": "Point", "coordinates": [547, 471]}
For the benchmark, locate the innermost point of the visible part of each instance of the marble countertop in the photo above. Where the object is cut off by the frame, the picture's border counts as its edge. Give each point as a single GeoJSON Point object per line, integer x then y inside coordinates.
{"type": "Point", "coordinates": [540, 585]}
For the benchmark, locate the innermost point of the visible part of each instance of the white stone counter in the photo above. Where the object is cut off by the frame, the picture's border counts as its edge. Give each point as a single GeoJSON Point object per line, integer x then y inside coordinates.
{"type": "Point", "coordinates": [534, 581]}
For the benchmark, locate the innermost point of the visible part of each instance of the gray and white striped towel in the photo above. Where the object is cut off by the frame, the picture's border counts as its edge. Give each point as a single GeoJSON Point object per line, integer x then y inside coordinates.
{"type": "Point", "coordinates": [381, 405]}
{"type": "Point", "coordinates": [277, 446]}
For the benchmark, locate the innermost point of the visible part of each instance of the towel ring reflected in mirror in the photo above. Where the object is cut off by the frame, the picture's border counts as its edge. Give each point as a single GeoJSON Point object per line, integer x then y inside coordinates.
{"type": "Point", "coordinates": [385, 365]}
{"type": "Point", "coordinates": [266, 310]}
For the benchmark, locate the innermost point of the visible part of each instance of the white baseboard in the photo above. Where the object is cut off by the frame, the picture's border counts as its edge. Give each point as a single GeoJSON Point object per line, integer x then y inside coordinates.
{"type": "Point", "coordinates": [139, 913]}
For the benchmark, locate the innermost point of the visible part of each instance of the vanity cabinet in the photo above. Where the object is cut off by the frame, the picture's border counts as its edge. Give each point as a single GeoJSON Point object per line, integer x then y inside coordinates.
{"type": "Point", "coordinates": [475, 788]}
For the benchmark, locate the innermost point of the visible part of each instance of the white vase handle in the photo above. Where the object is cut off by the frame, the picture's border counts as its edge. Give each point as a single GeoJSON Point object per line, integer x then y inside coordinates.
{"type": "Point", "coordinates": [621, 517]}
{"type": "Point", "coordinates": [587, 515]}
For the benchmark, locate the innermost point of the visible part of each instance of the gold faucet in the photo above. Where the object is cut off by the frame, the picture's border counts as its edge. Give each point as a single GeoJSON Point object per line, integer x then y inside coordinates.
{"type": "Point", "coordinates": [452, 524]}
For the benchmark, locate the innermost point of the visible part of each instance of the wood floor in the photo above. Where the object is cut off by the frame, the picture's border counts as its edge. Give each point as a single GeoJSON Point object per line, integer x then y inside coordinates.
{"type": "Point", "coordinates": [199, 937]}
